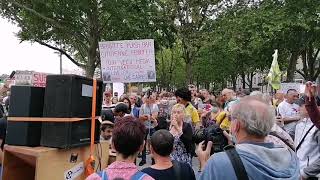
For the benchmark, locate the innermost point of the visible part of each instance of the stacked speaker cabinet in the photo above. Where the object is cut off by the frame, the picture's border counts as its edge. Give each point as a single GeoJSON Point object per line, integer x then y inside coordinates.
{"type": "Point", "coordinates": [69, 96]}
{"type": "Point", "coordinates": [67, 135]}
{"type": "Point", "coordinates": [25, 101]}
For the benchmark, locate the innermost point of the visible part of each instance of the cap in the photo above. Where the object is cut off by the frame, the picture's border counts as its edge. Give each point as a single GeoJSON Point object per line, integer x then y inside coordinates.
{"type": "Point", "coordinates": [122, 107]}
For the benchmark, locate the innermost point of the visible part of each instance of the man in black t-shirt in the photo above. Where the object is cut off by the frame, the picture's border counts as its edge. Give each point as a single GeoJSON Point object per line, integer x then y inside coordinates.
{"type": "Point", "coordinates": [164, 168]}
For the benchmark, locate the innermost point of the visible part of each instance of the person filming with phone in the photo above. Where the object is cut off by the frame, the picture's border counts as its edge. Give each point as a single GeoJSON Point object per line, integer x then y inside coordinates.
{"type": "Point", "coordinates": [148, 114]}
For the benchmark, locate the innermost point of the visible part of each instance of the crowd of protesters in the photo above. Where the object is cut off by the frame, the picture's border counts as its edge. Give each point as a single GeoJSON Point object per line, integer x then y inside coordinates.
{"type": "Point", "coordinates": [270, 137]}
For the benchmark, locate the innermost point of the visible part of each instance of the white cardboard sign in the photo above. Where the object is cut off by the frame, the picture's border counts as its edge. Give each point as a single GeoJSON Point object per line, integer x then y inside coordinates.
{"type": "Point", "coordinates": [128, 61]}
{"type": "Point", "coordinates": [297, 86]}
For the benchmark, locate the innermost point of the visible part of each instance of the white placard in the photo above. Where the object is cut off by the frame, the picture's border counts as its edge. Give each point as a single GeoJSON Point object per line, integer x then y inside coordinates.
{"type": "Point", "coordinates": [23, 78]}
{"type": "Point", "coordinates": [74, 172]}
{"type": "Point", "coordinates": [128, 61]}
{"type": "Point", "coordinates": [297, 86]}
{"type": "Point", "coordinates": [119, 88]}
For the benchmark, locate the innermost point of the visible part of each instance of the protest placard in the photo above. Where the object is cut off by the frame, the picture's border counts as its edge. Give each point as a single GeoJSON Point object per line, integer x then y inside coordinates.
{"type": "Point", "coordinates": [119, 88]}
{"type": "Point", "coordinates": [39, 79]}
{"type": "Point", "coordinates": [30, 78]}
{"type": "Point", "coordinates": [297, 86]}
{"type": "Point", "coordinates": [23, 78]}
{"type": "Point", "coordinates": [128, 61]}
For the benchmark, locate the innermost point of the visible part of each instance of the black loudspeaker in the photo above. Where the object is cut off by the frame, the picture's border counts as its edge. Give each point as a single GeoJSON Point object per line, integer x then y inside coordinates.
{"type": "Point", "coordinates": [70, 96]}
{"type": "Point", "coordinates": [25, 101]}
{"type": "Point", "coordinates": [68, 134]}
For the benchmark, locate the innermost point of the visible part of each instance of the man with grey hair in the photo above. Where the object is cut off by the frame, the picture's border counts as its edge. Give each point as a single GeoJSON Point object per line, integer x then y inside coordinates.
{"type": "Point", "coordinates": [288, 110]}
{"type": "Point", "coordinates": [251, 122]}
{"type": "Point", "coordinates": [229, 97]}
{"type": "Point", "coordinates": [277, 135]}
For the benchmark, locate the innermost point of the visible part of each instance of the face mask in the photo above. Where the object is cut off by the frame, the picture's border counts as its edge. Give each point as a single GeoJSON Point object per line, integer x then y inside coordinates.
{"type": "Point", "coordinates": [233, 139]}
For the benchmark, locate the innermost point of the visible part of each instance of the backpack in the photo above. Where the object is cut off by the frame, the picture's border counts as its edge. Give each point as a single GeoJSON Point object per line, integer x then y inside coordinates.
{"type": "Point", "coordinates": [136, 176]}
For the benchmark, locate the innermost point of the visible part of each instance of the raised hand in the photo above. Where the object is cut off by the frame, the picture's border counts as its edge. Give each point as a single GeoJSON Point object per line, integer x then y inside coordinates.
{"type": "Point", "coordinates": [310, 90]}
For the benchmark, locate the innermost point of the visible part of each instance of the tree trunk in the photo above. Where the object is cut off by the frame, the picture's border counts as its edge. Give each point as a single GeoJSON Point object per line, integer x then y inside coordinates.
{"type": "Point", "coordinates": [316, 69]}
{"type": "Point", "coordinates": [93, 40]}
{"type": "Point", "coordinates": [292, 66]}
{"type": "Point", "coordinates": [189, 72]}
{"type": "Point", "coordinates": [243, 77]}
{"type": "Point", "coordinates": [250, 80]}
{"type": "Point", "coordinates": [171, 68]}
{"type": "Point", "coordinates": [234, 82]}
{"type": "Point", "coordinates": [89, 70]}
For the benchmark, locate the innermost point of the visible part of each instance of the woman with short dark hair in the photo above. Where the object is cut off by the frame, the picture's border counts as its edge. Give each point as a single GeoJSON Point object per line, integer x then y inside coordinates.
{"type": "Point", "coordinates": [127, 140]}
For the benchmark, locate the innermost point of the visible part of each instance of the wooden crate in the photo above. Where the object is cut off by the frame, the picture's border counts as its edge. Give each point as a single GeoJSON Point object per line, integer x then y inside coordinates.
{"type": "Point", "coordinates": [42, 163]}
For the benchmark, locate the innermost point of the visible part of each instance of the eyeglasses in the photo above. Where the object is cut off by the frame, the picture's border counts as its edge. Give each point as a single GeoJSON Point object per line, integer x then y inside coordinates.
{"type": "Point", "coordinates": [231, 118]}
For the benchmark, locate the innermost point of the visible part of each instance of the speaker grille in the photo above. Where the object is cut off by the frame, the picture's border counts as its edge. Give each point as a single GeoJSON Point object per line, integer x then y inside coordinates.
{"type": "Point", "coordinates": [70, 96]}
{"type": "Point", "coordinates": [69, 134]}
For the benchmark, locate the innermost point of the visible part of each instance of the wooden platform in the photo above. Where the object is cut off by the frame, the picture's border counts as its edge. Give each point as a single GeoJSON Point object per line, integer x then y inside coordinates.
{"type": "Point", "coordinates": [42, 163]}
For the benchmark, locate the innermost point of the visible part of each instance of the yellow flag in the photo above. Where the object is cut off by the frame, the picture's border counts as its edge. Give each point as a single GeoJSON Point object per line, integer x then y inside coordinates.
{"type": "Point", "coordinates": [274, 75]}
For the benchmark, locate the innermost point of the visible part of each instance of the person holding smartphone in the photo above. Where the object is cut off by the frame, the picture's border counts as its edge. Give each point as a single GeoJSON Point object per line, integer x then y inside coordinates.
{"type": "Point", "coordinates": [148, 114]}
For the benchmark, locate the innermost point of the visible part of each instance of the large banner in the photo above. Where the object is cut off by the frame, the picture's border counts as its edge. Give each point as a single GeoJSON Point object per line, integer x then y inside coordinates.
{"type": "Point", "coordinates": [128, 61]}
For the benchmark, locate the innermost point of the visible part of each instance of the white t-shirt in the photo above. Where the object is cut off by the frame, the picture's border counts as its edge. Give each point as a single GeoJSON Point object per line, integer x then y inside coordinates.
{"type": "Point", "coordinates": [287, 110]}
